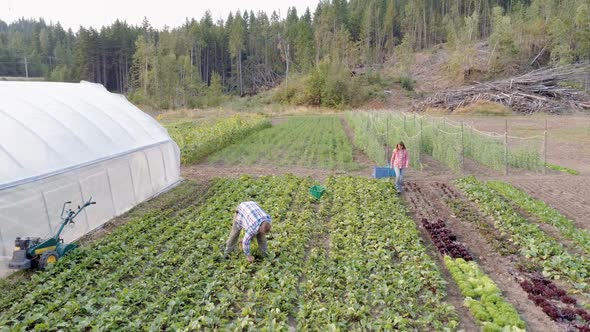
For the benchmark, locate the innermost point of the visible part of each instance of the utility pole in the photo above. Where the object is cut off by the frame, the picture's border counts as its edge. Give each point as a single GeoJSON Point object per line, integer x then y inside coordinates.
{"type": "Point", "coordinates": [26, 67]}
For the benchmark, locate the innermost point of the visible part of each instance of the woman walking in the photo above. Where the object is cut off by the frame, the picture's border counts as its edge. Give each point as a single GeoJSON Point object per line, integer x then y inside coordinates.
{"type": "Point", "coordinates": [400, 161]}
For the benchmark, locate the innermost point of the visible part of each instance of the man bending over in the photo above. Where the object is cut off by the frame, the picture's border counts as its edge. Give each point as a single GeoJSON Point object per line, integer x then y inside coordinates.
{"type": "Point", "coordinates": [255, 222]}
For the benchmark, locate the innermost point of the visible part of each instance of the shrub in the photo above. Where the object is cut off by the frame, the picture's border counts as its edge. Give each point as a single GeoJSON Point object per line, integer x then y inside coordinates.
{"type": "Point", "coordinates": [406, 83]}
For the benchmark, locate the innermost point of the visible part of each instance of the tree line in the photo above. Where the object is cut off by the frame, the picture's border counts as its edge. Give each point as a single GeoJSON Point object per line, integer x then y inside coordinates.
{"type": "Point", "coordinates": [249, 52]}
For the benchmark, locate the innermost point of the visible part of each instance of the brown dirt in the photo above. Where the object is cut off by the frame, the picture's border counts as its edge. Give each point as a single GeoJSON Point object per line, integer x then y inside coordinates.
{"type": "Point", "coordinates": [568, 194]}
{"type": "Point", "coordinates": [426, 200]}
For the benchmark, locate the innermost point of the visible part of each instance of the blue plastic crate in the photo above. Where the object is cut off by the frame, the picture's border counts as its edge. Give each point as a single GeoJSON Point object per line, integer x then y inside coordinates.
{"type": "Point", "coordinates": [383, 172]}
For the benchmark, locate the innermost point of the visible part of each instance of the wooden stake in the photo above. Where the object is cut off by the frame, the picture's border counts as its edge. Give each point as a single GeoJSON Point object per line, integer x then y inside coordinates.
{"type": "Point", "coordinates": [545, 148]}
{"type": "Point", "coordinates": [506, 147]}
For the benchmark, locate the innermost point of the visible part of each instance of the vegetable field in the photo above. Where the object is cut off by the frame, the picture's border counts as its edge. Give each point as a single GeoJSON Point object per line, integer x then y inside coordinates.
{"type": "Point", "coordinates": [352, 261]}
{"type": "Point", "coordinates": [442, 256]}
{"type": "Point", "coordinates": [313, 142]}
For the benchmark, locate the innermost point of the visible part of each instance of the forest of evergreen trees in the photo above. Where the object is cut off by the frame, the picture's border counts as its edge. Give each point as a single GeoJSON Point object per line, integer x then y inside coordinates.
{"type": "Point", "coordinates": [250, 52]}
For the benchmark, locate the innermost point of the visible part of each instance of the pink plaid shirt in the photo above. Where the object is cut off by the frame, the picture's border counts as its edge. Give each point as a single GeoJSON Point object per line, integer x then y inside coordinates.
{"type": "Point", "coordinates": [400, 159]}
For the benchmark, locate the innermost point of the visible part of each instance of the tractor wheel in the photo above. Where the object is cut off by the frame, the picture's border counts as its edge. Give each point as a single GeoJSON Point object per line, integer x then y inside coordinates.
{"type": "Point", "coordinates": [47, 258]}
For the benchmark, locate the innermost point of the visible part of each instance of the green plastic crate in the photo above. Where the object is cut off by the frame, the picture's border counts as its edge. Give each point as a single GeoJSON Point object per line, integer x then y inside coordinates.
{"type": "Point", "coordinates": [317, 191]}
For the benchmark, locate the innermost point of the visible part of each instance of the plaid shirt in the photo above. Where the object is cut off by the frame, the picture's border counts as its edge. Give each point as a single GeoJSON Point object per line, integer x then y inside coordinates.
{"type": "Point", "coordinates": [250, 216]}
{"type": "Point", "coordinates": [400, 159]}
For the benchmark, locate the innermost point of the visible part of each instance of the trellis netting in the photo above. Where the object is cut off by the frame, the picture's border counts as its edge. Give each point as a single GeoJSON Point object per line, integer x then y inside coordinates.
{"type": "Point", "coordinates": [447, 141]}
{"type": "Point", "coordinates": [69, 142]}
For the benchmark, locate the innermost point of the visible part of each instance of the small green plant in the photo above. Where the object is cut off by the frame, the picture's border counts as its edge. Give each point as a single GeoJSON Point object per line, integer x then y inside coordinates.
{"type": "Point", "coordinates": [544, 213]}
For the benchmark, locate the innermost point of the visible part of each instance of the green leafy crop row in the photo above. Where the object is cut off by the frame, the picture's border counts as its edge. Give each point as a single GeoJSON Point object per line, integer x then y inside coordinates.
{"type": "Point", "coordinates": [164, 271]}
{"type": "Point", "coordinates": [544, 213]}
{"type": "Point", "coordinates": [316, 142]}
{"type": "Point", "coordinates": [533, 243]}
{"type": "Point", "coordinates": [483, 298]}
{"type": "Point", "coordinates": [371, 272]}
{"type": "Point", "coordinates": [197, 141]}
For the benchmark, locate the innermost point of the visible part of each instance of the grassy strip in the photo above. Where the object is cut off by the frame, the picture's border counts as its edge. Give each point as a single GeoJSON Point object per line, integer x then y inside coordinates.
{"type": "Point", "coordinates": [483, 298]}
{"type": "Point", "coordinates": [562, 169]}
{"type": "Point", "coordinates": [533, 243]}
{"type": "Point", "coordinates": [543, 213]}
{"type": "Point", "coordinates": [315, 142]}
{"type": "Point", "coordinates": [197, 140]}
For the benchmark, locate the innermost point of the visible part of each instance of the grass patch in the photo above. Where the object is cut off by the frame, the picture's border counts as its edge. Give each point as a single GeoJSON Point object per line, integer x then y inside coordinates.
{"type": "Point", "coordinates": [580, 134]}
{"type": "Point", "coordinates": [562, 169]}
{"type": "Point", "coordinates": [485, 108]}
{"type": "Point", "coordinates": [436, 111]}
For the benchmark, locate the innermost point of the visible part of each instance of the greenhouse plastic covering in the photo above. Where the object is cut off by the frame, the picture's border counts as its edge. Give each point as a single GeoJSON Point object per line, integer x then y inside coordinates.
{"type": "Point", "coordinates": [69, 142]}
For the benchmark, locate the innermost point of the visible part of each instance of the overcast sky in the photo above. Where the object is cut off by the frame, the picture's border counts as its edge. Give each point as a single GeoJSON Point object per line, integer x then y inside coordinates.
{"type": "Point", "coordinates": [97, 13]}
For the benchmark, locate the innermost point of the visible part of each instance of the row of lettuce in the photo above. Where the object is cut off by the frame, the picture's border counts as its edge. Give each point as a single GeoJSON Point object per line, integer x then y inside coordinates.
{"type": "Point", "coordinates": [534, 244]}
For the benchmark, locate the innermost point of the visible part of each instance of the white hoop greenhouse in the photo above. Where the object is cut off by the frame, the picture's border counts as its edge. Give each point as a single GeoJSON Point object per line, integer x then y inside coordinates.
{"type": "Point", "coordinates": [69, 142]}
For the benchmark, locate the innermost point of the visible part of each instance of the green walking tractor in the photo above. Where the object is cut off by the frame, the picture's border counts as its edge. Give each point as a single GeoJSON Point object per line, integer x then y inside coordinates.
{"type": "Point", "coordinates": [34, 252]}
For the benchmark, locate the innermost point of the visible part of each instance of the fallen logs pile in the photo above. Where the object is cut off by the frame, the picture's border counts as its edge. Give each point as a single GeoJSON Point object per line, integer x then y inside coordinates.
{"type": "Point", "coordinates": [546, 90]}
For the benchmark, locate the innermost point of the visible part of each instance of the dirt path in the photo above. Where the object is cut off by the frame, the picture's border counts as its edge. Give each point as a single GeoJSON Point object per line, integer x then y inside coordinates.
{"type": "Point", "coordinates": [358, 155]}
{"type": "Point", "coordinates": [427, 200]}
{"type": "Point", "coordinates": [206, 172]}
